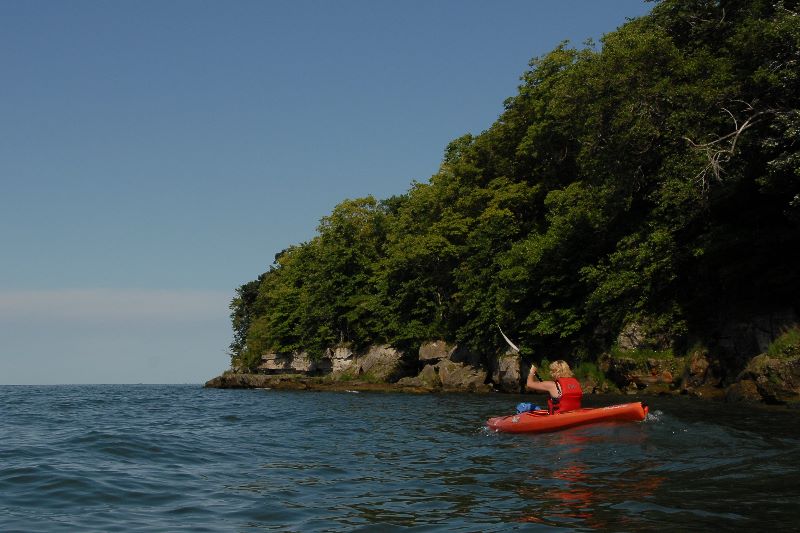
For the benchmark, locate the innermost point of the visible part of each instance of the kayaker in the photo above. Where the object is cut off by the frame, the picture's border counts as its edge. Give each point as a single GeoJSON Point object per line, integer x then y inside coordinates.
{"type": "Point", "coordinates": [564, 390]}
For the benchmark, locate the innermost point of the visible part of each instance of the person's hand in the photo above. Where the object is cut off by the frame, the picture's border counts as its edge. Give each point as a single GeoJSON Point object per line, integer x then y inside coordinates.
{"type": "Point", "coordinates": [533, 370]}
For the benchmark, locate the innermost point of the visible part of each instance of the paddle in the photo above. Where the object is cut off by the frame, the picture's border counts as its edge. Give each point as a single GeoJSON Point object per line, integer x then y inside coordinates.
{"type": "Point", "coordinates": [514, 347]}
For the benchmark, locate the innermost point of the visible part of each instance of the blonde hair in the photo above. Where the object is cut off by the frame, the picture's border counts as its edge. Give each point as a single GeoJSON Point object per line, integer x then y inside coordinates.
{"type": "Point", "coordinates": [560, 369]}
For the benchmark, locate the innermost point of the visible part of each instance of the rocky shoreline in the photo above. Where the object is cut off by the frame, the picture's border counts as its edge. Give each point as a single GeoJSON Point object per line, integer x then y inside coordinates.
{"type": "Point", "coordinates": [233, 380]}
{"type": "Point", "coordinates": [442, 367]}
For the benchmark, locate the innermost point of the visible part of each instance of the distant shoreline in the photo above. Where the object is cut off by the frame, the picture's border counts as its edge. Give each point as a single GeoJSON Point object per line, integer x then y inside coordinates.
{"type": "Point", "coordinates": [232, 380]}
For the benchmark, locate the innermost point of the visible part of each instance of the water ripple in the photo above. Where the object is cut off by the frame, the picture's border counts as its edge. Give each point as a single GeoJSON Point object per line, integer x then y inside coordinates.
{"type": "Point", "coordinates": [172, 458]}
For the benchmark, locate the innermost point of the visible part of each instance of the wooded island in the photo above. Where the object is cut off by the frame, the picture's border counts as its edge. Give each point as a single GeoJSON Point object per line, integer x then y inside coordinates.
{"type": "Point", "coordinates": [638, 199]}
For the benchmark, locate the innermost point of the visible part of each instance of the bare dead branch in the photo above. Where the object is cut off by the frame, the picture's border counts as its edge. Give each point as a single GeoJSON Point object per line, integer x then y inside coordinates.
{"type": "Point", "coordinates": [720, 151]}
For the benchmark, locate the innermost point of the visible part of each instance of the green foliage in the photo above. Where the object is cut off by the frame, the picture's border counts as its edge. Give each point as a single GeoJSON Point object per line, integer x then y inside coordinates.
{"type": "Point", "coordinates": [243, 312]}
{"type": "Point", "coordinates": [787, 345]}
{"type": "Point", "coordinates": [651, 180]}
{"type": "Point", "coordinates": [589, 371]}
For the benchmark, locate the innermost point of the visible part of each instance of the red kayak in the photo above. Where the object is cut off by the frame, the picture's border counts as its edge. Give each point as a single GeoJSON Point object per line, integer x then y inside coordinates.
{"type": "Point", "coordinates": [540, 421]}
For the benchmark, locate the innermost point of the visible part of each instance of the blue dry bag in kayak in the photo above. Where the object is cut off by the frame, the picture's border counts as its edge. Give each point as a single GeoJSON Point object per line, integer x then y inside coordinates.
{"type": "Point", "coordinates": [525, 407]}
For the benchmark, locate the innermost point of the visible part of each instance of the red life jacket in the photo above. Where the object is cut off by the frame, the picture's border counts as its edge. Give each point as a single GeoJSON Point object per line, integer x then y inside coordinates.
{"type": "Point", "coordinates": [570, 398]}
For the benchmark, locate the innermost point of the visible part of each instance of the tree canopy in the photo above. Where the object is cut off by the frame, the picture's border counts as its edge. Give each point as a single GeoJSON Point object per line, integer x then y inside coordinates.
{"type": "Point", "coordinates": [652, 179]}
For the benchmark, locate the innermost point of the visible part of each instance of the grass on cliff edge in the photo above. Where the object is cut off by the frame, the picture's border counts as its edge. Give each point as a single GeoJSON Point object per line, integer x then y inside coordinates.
{"type": "Point", "coordinates": [787, 345]}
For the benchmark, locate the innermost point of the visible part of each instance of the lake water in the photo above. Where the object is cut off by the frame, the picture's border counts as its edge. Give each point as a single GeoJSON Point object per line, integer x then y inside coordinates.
{"type": "Point", "coordinates": [173, 458]}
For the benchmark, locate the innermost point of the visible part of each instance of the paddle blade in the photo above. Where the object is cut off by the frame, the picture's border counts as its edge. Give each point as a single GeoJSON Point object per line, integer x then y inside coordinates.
{"type": "Point", "coordinates": [513, 346]}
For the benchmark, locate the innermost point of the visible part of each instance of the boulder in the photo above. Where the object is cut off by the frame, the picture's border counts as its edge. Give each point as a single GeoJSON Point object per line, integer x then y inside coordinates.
{"type": "Point", "coordinates": [506, 372]}
{"type": "Point", "coordinates": [776, 379]}
{"type": "Point", "coordinates": [383, 363]}
{"type": "Point", "coordinates": [458, 376]}
{"type": "Point", "coordinates": [427, 379]}
{"type": "Point", "coordinates": [434, 351]}
{"type": "Point", "coordinates": [450, 376]}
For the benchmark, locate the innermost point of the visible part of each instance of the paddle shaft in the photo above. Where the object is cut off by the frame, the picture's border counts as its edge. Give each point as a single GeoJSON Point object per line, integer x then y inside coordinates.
{"type": "Point", "coordinates": [514, 347]}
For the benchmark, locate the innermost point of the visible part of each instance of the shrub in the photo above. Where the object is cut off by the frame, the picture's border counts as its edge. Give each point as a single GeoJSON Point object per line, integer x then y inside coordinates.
{"type": "Point", "coordinates": [786, 345]}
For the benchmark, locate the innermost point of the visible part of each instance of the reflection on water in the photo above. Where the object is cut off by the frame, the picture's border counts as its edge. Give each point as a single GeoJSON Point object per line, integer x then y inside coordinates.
{"type": "Point", "coordinates": [567, 491]}
{"type": "Point", "coordinates": [184, 458]}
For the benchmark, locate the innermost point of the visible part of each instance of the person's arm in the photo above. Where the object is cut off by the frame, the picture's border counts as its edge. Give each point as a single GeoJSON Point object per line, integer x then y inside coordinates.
{"type": "Point", "coordinates": [535, 385]}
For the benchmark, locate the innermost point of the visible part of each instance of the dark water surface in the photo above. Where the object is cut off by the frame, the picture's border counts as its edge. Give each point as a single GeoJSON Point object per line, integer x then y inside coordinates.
{"type": "Point", "coordinates": [172, 458]}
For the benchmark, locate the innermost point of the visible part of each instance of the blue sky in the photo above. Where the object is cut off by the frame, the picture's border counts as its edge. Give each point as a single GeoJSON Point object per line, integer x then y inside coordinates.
{"type": "Point", "coordinates": [155, 155]}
